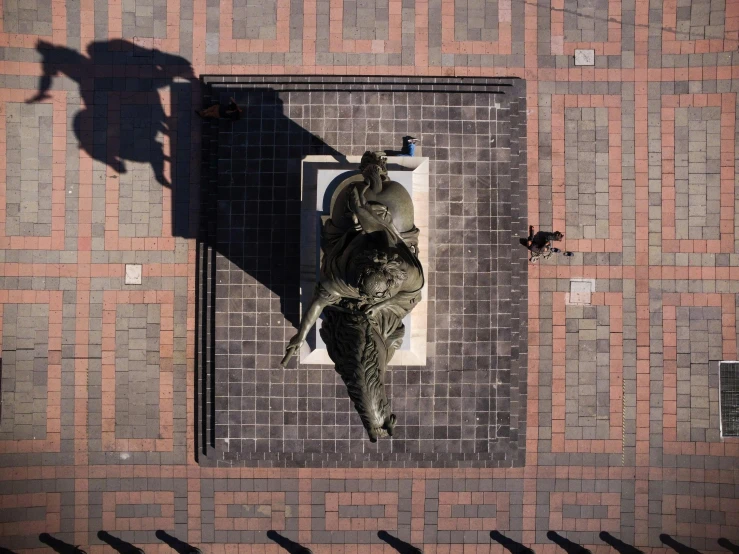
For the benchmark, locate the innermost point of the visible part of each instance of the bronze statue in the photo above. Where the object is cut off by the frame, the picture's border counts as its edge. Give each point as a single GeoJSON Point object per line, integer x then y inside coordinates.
{"type": "Point", "coordinates": [370, 279]}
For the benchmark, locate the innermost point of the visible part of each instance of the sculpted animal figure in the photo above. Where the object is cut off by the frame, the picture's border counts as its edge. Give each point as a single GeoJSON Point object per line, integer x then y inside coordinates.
{"type": "Point", "coordinates": [370, 280]}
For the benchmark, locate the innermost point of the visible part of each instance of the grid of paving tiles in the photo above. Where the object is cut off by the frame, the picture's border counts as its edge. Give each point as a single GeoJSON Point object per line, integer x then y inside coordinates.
{"type": "Point", "coordinates": [476, 20]}
{"type": "Point", "coordinates": [367, 20]}
{"type": "Point", "coordinates": [28, 169]}
{"type": "Point", "coordinates": [586, 172]}
{"type": "Point", "coordinates": [137, 361]}
{"type": "Point", "coordinates": [586, 21]}
{"type": "Point", "coordinates": [144, 18]}
{"type": "Point", "coordinates": [588, 372]}
{"type": "Point", "coordinates": [25, 375]}
{"type": "Point", "coordinates": [703, 19]}
{"type": "Point", "coordinates": [698, 172]}
{"type": "Point", "coordinates": [254, 20]}
{"type": "Point", "coordinates": [699, 346]}
{"type": "Point", "coordinates": [472, 384]}
{"type": "Point", "coordinates": [31, 17]}
{"type": "Point", "coordinates": [67, 484]}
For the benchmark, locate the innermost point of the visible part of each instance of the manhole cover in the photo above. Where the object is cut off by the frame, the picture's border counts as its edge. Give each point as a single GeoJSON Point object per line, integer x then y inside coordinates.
{"type": "Point", "coordinates": [580, 291]}
{"type": "Point", "coordinates": [729, 398]}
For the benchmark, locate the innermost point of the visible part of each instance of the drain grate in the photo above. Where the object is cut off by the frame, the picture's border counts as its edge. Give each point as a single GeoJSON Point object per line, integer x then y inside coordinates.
{"type": "Point", "coordinates": [729, 398]}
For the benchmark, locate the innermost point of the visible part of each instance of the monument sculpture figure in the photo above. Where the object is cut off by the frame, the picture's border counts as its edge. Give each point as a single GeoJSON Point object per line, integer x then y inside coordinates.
{"type": "Point", "coordinates": [370, 279]}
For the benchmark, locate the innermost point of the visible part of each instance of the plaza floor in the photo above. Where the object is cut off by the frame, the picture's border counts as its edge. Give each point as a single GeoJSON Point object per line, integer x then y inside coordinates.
{"type": "Point", "coordinates": [633, 159]}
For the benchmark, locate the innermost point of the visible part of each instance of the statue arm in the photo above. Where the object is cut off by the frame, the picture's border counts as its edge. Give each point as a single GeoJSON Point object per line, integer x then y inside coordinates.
{"type": "Point", "coordinates": [321, 299]}
{"type": "Point", "coordinates": [43, 89]}
{"type": "Point", "coordinates": [310, 317]}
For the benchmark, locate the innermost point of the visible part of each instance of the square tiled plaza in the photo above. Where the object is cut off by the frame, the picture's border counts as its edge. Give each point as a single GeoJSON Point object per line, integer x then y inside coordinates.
{"type": "Point", "coordinates": [148, 275]}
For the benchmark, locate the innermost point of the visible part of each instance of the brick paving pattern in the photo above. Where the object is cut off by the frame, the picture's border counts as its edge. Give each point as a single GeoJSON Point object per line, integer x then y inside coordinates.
{"type": "Point", "coordinates": [27, 17]}
{"type": "Point", "coordinates": [586, 21]}
{"type": "Point", "coordinates": [476, 20]}
{"type": "Point", "coordinates": [25, 375]}
{"type": "Point", "coordinates": [702, 19]}
{"type": "Point", "coordinates": [588, 372]}
{"type": "Point", "coordinates": [144, 18]}
{"type": "Point", "coordinates": [254, 20]}
{"type": "Point", "coordinates": [123, 79]}
{"type": "Point", "coordinates": [586, 172]}
{"type": "Point", "coordinates": [699, 336]}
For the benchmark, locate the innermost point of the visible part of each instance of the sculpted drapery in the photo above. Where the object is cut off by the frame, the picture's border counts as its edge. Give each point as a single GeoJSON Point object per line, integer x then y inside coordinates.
{"type": "Point", "coordinates": [370, 279]}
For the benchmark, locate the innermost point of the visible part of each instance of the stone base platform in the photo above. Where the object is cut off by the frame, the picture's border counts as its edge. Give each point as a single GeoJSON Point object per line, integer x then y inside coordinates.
{"type": "Point", "coordinates": [466, 406]}
{"type": "Point", "coordinates": [319, 177]}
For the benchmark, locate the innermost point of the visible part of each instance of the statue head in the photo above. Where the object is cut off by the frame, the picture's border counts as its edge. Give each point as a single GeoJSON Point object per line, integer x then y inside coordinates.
{"type": "Point", "coordinates": [370, 158]}
{"type": "Point", "coordinates": [378, 274]}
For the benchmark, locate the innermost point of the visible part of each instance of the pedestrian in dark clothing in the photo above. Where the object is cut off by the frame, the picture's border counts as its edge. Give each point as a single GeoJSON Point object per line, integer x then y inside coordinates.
{"type": "Point", "coordinates": [409, 146]}
{"type": "Point", "coordinates": [219, 111]}
{"type": "Point", "coordinates": [540, 244]}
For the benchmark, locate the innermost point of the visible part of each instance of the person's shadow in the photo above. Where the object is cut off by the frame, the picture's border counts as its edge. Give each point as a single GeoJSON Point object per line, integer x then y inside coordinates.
{"type": "Point", "coordinates": [181, 547]}
{"type": "Point", "coordinates": [119, 545]}
{"type": "Point", "coordinates": [620, 546]}
{"type": "Point", "coordinates": [509, 544]}
{"type": "Point", "coordinates": [286, 544]}
{"type": "Point", "coordinates": [566, 544]}
{"type": "Point", "coordinates": [677, 546]}
{"type": "Point", "coordinates": [59, 546]}
{"type": "Point", "coordinates": [400, 546]}
{"type": "Point", "coordinates": [728, 545]}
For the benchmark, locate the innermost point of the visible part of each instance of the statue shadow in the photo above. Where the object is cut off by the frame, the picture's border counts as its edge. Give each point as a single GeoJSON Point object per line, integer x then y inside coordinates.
{"type": "Point", "coordinates": [181, 547]}
{"type": "Point", "coordinates": [618, 545]}
{"type": "Point", "coordinates": [119, 545]}
{"type": "Point", "coordinates": [400, 546]}
{"type": "Point", "coordinates": [677, 546]}
{"type": "Point", "coordinates": [728, 545]}
{"type": "Point", "coordinates": [509, 544]}
{"type": "Point", "coordinates": [59, 546]}
{"type": "Point", "coordinates": [286, 544]}
{"type": "Point", "coordinates": [251, 190]}
{"type": "Point", "coordinates": [566, 544]}
{"type": "Point", "coordinates": [123, 119]}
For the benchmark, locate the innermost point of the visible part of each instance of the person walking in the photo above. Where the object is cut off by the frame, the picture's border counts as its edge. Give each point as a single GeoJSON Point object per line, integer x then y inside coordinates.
{"type": "Point", "coordinates": [540, 244]}
{"type": "Point", "coordinates": [231, 111]}
{"type": "Point", "coordinates": [409, 146]}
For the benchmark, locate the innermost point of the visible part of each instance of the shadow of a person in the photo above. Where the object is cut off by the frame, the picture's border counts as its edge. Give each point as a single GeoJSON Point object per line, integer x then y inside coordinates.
{"type": "Point", "coordinates": [400, 546]}
{"type": "Point", "coordinates": [677, 546]}
{"type": "Point", "coordinates": [119, 545]}
{"type": "Point", "coordinates": [159, 71]}
{"type": "Point", "coordinates": [291, 547]}
{"type": "Point", "coordinates": [566, 544]}
{"type": "Point", "coordinates": [181, 547]}
{"type": "Point", "coordinates": [728, 545]}
{"type": "Point", "coordinates": [59, 546]}
{"type": "Point", "coordinates": [509, 544]}
{"type": "Point", "coordinates": [619, 545]}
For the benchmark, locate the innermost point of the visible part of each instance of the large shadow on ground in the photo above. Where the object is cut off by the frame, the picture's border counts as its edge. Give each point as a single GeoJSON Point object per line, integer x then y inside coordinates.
{"type": "Point", "coordinates": [256, 159]}
{"type": "Point", "coordinates": [249, 234]}
{"type": "Point", "coordinates": [117, 66]}
{"type": "Point", "coordinates": [251, 191]}
{"type": "Point", "coordinates": [235, 184]}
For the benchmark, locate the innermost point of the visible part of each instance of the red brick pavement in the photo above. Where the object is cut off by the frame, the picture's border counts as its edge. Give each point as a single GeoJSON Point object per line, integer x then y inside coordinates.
{"type": "Point", "coordinates": [664, 493]}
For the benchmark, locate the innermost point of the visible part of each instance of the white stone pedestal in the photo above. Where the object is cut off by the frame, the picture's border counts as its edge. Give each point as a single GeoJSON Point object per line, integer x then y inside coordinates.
{"type": "Point", "coordinates": [320, 179]}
